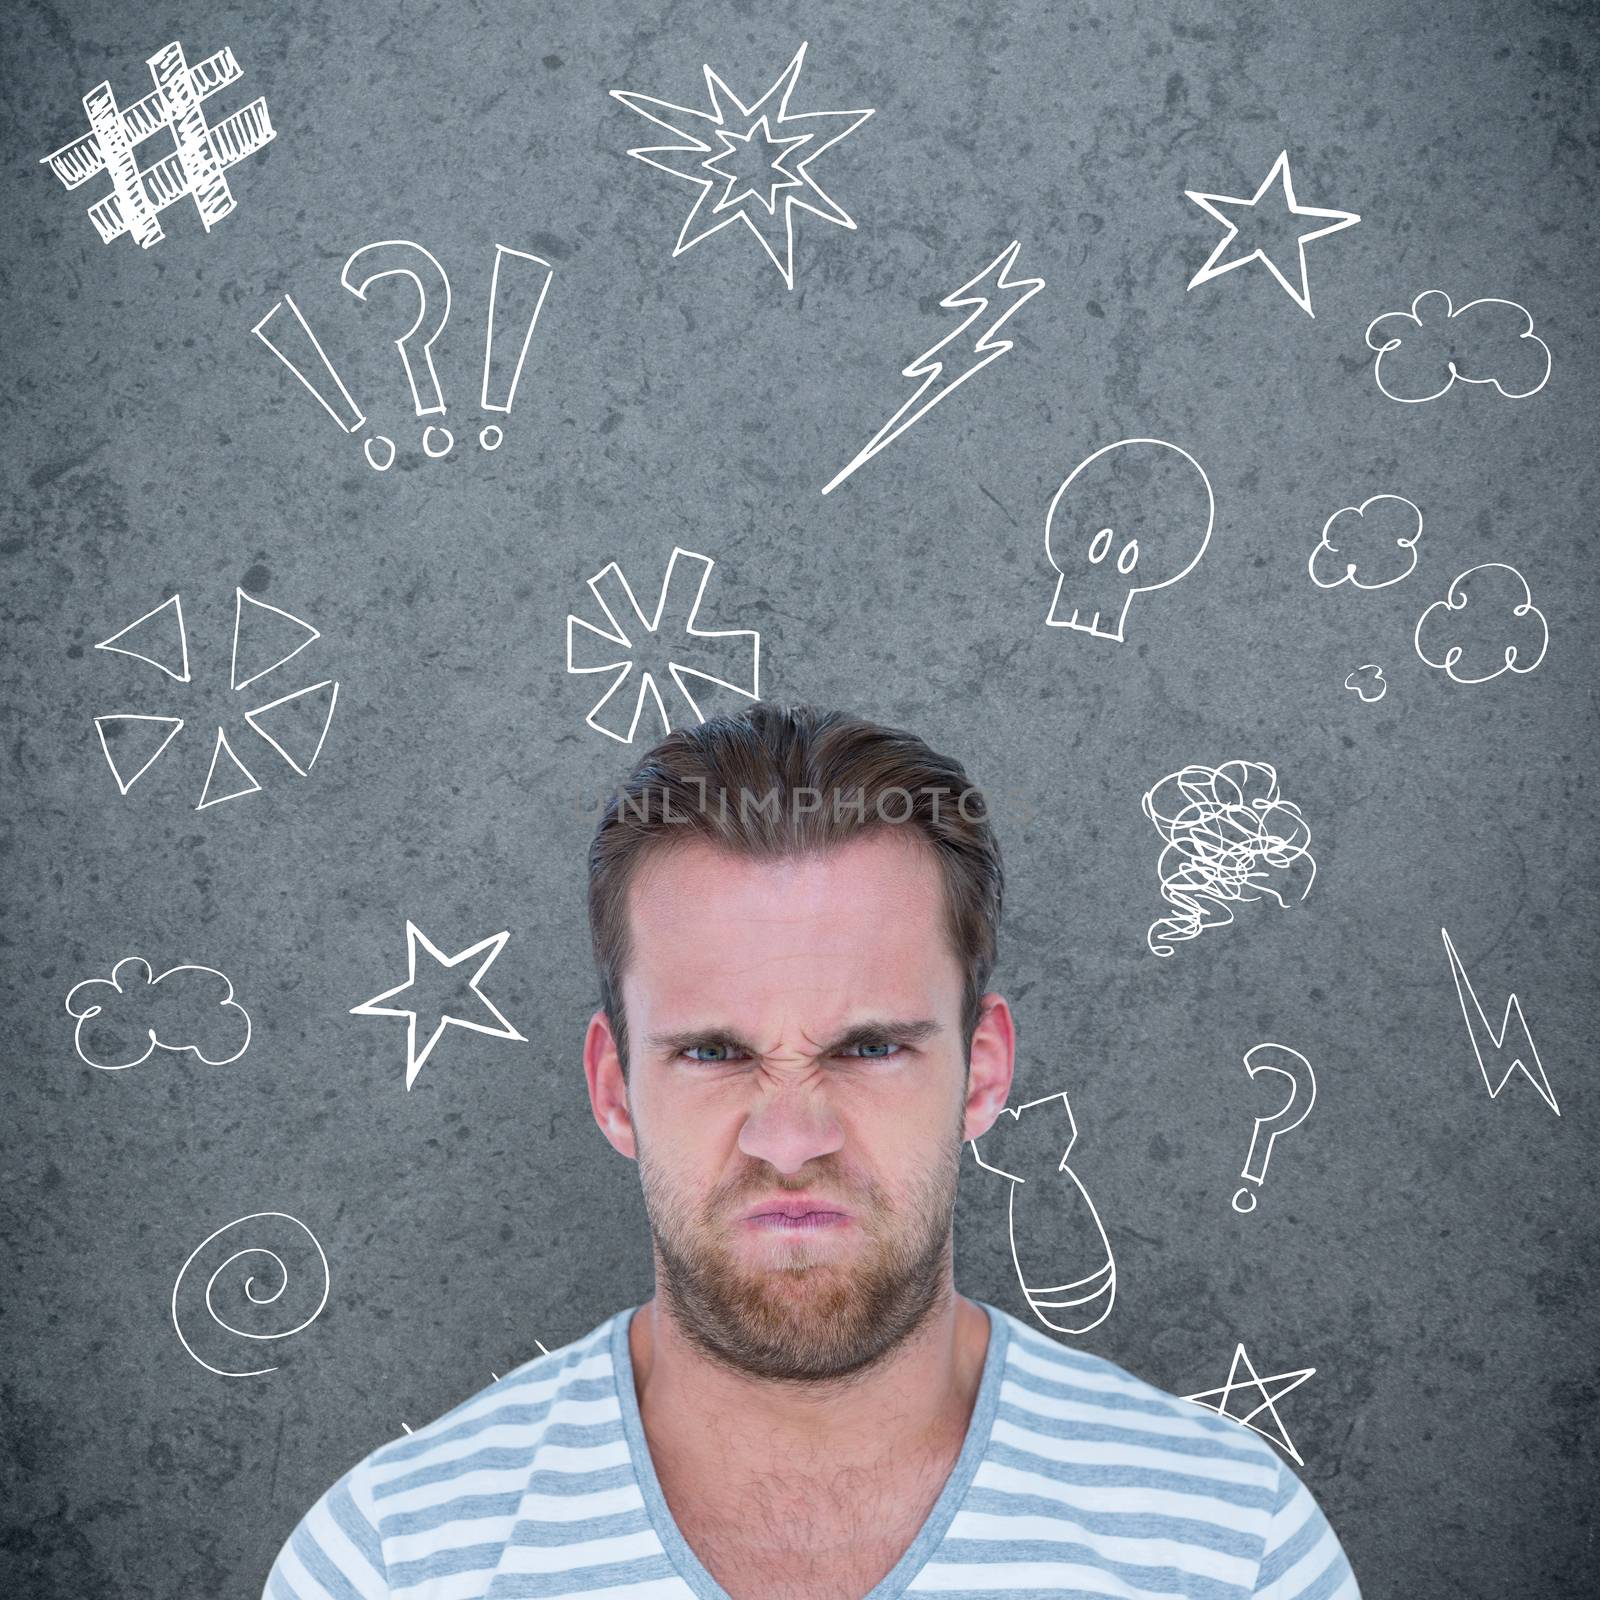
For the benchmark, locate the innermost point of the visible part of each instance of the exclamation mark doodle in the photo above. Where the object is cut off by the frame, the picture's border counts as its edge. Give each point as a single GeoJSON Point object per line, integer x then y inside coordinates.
{"type": "Point", "coordinates": [516, 297]}
{"type": "Point", "coordinates": [296, 346]}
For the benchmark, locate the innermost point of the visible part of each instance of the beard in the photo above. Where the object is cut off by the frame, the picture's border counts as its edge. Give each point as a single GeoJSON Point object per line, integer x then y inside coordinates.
{"type": "Point", "coordinates": [819, 1314]}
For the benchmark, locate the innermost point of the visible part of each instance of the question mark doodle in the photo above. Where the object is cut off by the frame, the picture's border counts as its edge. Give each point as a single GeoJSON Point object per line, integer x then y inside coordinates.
{"type": "Point", "coordinates": [401, 258]}
{"type": "Point", "coordinates": [1288, 1064]}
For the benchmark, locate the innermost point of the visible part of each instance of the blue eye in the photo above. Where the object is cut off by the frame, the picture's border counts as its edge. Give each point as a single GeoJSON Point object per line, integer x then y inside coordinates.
{"type": "Point", "coordinates": [884, 1051]}
{"type": "Point", "coordinates": [712, 1052]}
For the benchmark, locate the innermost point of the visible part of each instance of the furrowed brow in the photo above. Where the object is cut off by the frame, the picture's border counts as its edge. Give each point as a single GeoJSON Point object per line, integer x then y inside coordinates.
{"type": "Point", "coordinates": [862, 1033]}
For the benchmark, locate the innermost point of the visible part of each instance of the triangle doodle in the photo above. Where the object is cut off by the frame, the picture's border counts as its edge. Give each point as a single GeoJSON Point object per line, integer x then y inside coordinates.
{"type": "Point", "coordinates": [121, 725]}
{"type": "Point", "coordinates": [293, 725]}
{"type": "Point", "coordinates": [159, 647]}
{"type": "Point", "coordinates": [223, 747]}
{"type": "Point", "coordinates": [264, 639]}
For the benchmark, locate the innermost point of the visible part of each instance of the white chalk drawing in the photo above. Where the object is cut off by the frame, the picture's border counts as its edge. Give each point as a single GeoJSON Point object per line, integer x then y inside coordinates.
{"type": "Point", "coordinates": [236, 772]}
{"type": "Point", "coordinates": [1270, 1391]}
{"type": "Point", "coordinates": [114, 998]}
{"type": "Point", "coordinates": [495, 1375]}
{"type": "Point", "coordinates": [402, 258]}
{"type": "Point", "coordinates": [1442, 649]}
{"type": "Point", "coordinates": [327, 691]}
{"type": "Point", "coordinates": [265, 637]}
{"type": "Point", "coordinates": [415, 1059]}
{"type": "Point", "coordinates": [162, 638]}
{"type": "Point", "coordinates": [1150, 500]}
{"type": "Point", "coordinates": [1057, 1212]}
{"type": "Point", "coordinates": [1489, 1046]}
{"type": "Point", "coordinates": [762, 152]}
{"type": "Point", "coordinates": [126, 730]}
{"type": "Point", "coordinates": [1215, 264]}
{"type": "Point", "coordinates": [266, 1298]}
{"type": "Point", "coordinates": [946, 365]}
{"type": "Point", "coordinates": [1225, 829]}
{"type": "Point", "coordinates": [518, 283]}
{"type": "Point", "coordinates": [203, 153]}
{"type": "Point", "coordinates": [1354, 548]}
{"type": "Point", "coordinates": [728, 657]}
{"type": "Point", "coordinates": [291, 340]}
{"type": "Point", "coordinates": [514, 306]}
{"type": "Point", "coordinates": [1360, 686]}
{"type": "Point", "coordinates": [1424, 345]}
{"type": "Point", "coordinates": [253, 628]}
{"type": "Point", "coordinates": [1291, 1065]}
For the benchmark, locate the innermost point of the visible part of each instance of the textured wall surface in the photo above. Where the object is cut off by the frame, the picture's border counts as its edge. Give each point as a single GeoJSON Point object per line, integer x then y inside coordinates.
{"type": "Point", "coordinates": [1429, 1248]}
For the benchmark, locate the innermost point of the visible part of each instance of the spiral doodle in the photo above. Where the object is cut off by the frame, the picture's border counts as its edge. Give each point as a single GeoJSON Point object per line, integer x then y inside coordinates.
{"type": "Point", "coordinates": [1224, 828]}
{"type": "Point", "coordinates": [255, 1299]}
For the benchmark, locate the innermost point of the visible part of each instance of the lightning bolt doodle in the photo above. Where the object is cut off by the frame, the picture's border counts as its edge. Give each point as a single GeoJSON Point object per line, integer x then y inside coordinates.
{"type": "Point", "coordinates": [935, 371]}
{"type": "Point", "coordinates": [1487, 1043]}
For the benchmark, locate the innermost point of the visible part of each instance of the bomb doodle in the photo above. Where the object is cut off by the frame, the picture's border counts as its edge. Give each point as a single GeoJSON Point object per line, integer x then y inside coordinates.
{"type": "Point", "coordinates": [518, 283]}
{"type": "Point", "coordinates": [1059, 1222]}
{"type": "Point", "coordinates": [1134, 517]}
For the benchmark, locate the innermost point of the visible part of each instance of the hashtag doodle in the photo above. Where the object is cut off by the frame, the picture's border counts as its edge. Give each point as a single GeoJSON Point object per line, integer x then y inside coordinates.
{"type": "Point", "coordinates": [195, 168]}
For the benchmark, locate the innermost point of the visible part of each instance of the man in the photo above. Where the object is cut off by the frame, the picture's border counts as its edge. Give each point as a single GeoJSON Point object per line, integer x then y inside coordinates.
{"type": "Point", "coordinates": [794, 918]}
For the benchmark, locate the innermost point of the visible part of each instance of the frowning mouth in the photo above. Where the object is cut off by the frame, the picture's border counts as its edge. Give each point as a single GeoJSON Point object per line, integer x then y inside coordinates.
{"type": "Point", "coordinates": [805, 1222]}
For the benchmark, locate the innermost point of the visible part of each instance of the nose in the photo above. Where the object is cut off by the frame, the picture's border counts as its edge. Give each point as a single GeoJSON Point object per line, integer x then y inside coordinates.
{"type": "Point", "coordinates": [790, 1127]}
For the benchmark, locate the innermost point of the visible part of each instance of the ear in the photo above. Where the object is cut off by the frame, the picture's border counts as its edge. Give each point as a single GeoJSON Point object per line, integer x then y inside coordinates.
{"type": "Point", "coordinates": [993, 1060]}
{"type": "Point", "coordinates": [608, 1091]}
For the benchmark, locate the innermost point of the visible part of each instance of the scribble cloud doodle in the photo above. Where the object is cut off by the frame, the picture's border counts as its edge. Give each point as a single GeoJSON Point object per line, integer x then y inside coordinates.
{"type": "Point", "coordinates": [1486, 624]}
{"type": "Point", "coordinates": [1220, 259]}
{"type": "Point", "coordinates": [1134, 517]}
{"type": "Point", "coordinates": [1059, 1230]}
{"type": "Point", "coordinates": [1247, 1396]}
{"type": "Point", "coordinates": [236, 1285]}
{"type": "Point", "coordinates": [751, 163]}
{"type": "Point", "coordinates": [1422, 352]}
{"type": "Point", "coordinates": [203, 153]}
{"type": "Point", "coordinates": [1368, 546]}
{"type": "Point", "coordinates": [728, 657]}
{"type": "Point", "coordinates": [1226, 831]}
{"type": "Point", "coordinates": [1509, 1050]}
{"type": "Point", "coordinates": [121, 1019]}
{"type": "Point", "coordinates": [960, 353]}
{"type": "Point", "coordinates": [265, 638]}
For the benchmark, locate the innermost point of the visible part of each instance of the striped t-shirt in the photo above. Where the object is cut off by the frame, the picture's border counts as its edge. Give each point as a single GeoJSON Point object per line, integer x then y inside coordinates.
{"type": "Point", "coordinates": [1075, 1479]}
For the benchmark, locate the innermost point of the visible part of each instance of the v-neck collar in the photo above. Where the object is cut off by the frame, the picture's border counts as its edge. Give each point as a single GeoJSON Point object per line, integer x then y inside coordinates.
{"type": "Point", "coordinates": [929, 1536]}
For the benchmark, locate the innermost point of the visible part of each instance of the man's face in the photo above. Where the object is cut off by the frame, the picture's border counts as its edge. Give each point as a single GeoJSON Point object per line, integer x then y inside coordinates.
{"type": "Point", "coordinates": [794, 1037]}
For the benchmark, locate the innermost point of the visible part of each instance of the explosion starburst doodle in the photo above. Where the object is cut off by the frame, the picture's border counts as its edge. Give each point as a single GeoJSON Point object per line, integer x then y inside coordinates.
{"type": "Point", "coordinates": [757, 165]}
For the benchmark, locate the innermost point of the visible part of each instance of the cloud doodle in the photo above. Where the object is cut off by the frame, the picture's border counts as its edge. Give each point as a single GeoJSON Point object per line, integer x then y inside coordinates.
{"type": "Point", "coordinates": [1421, 352]}
{"type": "Point", "coordinates": [119, 1008]}
{"type": "Point", "coordinates": [1356, 547]}
{"type": "Point", "coordinates": [1225, 829]}
{"type": "Point", "coordinates": [1361, 685]}
{"type": "Point", "coordinates": [1486, 600]}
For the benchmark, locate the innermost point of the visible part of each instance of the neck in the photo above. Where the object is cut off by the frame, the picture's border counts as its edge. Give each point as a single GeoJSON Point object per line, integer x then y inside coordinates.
{"type": "Point", "coordinates": [914, 1401]}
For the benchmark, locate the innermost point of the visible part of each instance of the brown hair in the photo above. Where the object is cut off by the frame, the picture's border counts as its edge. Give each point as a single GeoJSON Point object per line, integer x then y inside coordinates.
{"type": "Point", "coordinates": [781, 781]}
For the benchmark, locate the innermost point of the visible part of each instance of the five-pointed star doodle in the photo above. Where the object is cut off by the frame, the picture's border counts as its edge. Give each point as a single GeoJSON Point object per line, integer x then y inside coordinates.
{"type": "Point", "coordinates": [375, 1007]}
{"type": "Point", "coordinates": [755, 160]}
{"type": "Point", "coordinates": [1217, 1399]}
{"type": "Point", "coordinates": [1215, 266]}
